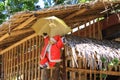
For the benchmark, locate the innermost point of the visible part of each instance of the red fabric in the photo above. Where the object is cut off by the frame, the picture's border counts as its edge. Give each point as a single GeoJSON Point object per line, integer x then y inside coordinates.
{"type": "Point", "coordinates": [46, 60]}
{"type": "Point", "coordinates": [54, 53]}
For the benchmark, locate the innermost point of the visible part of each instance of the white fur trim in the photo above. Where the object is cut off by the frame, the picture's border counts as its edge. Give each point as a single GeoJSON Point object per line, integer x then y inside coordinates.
{"type": "Point", "coordinates": [52, 39]}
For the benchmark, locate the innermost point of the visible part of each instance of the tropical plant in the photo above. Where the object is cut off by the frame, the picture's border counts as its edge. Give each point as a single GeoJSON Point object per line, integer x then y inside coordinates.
{"type": "Point", "coordinates": [8, 7]}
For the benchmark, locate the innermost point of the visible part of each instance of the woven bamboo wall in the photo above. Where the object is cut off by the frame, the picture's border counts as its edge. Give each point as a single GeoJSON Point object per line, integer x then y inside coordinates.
{"type": "Point", "coordinates": [21, 61]}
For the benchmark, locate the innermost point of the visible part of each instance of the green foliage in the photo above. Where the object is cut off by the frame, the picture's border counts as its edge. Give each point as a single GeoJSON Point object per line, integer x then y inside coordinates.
{"type": "Point", "coordinates": [114, 62]}
{"type": "Point", "coordinates": [59, 1]}
{"type": "Point", "coordinates": [83, 1]}
{"type": "Point", "coordinates": [11, 6]}
{"type": "Point", "coordinates": [46, 5]}
{"type": "Point", "coordinates": [2, 6]}
{"type": "Point", "coordinates": [104, 76]}
{"type": "Point", "coordinates": [28, 5]}
{"type": "Point", "coordinates": [103, 59]}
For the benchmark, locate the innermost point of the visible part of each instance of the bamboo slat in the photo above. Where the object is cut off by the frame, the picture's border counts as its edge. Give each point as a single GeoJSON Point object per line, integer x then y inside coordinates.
{"type": "Point", "coordinates": [14, 63]}
{"type": "Point", "coordinates": [90, 30]}
{"type": "Point", "coordinates": [94, 29]}
{"type": "Point", "coordinates": [23, 60]}
{"type": "Point", "coordinates": [36, 52]}
{"type": "Point", "coordinates": [18, 43]}
{"type": "Point", "coordinates": [26, 57]}
{"type": "Point", "coordinates": [95, 71]}
{"type": "Point", "coordinates": [99, 31]}
{"type": "Point", "coordinates": [29, 55]}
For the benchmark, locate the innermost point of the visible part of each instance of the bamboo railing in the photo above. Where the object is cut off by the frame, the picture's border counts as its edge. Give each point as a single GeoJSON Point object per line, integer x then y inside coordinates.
{"type": "Point", "coordinates": [20, 62]}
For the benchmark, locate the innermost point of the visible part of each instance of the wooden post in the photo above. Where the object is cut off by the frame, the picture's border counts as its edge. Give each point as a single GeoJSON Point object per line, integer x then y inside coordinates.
{"type": "Point", "coordinates": [99, 30]}
{"type": "Point", "coordinates": [23, 60]}
{"type": "Point", "coordinates": [94, 29]}
{"type": "Point", "coordinates": [64, 63]}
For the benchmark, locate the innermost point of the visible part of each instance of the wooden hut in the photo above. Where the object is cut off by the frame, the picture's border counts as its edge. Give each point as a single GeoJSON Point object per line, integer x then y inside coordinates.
{"type": "Point", "coordinates": [20, 46]}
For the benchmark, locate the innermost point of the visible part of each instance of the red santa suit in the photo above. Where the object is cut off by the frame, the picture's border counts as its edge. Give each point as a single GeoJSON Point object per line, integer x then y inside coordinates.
{"type": "Point", "coordinates": [50, 53]}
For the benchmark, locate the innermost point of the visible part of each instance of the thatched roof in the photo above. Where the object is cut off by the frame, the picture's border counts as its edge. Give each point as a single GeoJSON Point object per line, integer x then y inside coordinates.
{"type": "Point", "coordinates": [99, 53]}
{"type": "Point", "coordinates": [19, 25]}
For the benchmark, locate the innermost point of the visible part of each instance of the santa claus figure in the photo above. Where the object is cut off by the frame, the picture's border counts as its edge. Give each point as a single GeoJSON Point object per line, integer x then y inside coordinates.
{"type": "Point", "coordinates": [50, 53]}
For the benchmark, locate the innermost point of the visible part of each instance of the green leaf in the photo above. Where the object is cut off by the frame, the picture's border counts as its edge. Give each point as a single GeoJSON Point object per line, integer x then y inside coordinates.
{"type": "Point", "coordinates": [2, 7]}
{"type": "Point", "coordinates": [104, 75]}
{"type": "Point", "coordinates": [103, 59]}
{"type": "Point", "coordinates": [115, 61]}
{"type": "Point", "coordinates": [111, 64]}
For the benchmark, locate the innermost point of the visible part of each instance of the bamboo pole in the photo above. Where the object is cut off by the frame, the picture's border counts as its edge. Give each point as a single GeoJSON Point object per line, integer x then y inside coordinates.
{"type": "Point", "coordinates": [5, 62]}
{"type": "Point", "coordinates": [33, 64]}
{"type": "Point", "coordinates": [26, 58]}
{"type": "Point", "coordinates": [80, 63]}
{"type": "Point", "coordinates": [14, 63]}
{"type": "Point", "coordinates": [23, 61]}
{"type": "Point", "coordinates": [90, 70]}
{"type": "Point", "coordinates": [85, 33]}
{"type": "Point", "coordinates": [95, 71]}
{"type": "Point", "coordinates": [94, 30]}
{"type": "Point", "coordinates": [99, 30]}
{"type": "Point", "coordinates": [18, 43]}
{"type": "Point", "coordinates": [36, 52]}
{"type": "Point", "coordinates": [95, 68]}
{"type": "Point", "coordinates": [8, 64]}
{"type": "Point", "coordinates": [38, 59]}
{"type": "Point", "coordinates": [29, 60]}
{"type": "Point", "coordinates": [11, 57]}
{"type": "Point", "coordinates": [90, 29]}
{"type": "Point", "coordinates": [19, 61]}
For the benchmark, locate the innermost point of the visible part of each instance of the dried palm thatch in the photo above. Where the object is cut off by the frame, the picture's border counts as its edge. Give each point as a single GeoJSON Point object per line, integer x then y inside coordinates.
{"type": "Point", "coordinates": [96, 52]}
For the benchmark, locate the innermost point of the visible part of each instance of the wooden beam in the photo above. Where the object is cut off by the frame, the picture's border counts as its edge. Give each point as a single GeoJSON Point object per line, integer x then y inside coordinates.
{"type": "Point", "coordinates": [19, 27]}
{"type": "Point", "coordinates": [81, 11]}
{"type": "Point", "coordinates": [16, 44]}
{"type": "Point", "coordinates": [20, 31]}
{"type": "Point", "coordinates": [94, 71]}
{"type": "Point", "coordinates": [16, 36]}
{"type": "Point", "coordinates": [26, 23]}
{"type": "Point", "coordinates": [5, 36]}
{"type": "Point", "coordinates": [83, 19]}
